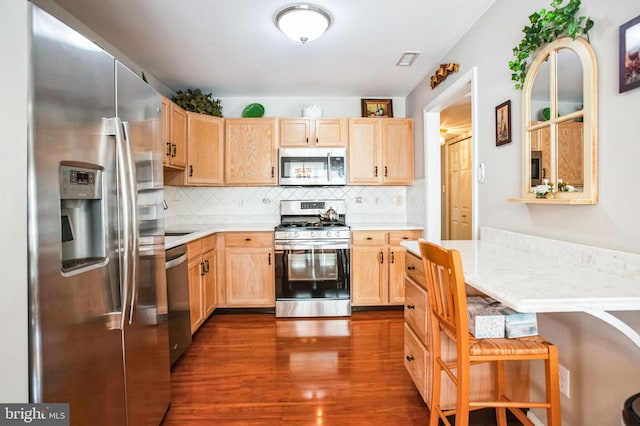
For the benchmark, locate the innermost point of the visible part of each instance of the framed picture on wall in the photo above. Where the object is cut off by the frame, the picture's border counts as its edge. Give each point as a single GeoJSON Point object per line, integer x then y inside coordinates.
{"type": "Point", "coordinates": [629, 62]}
{"type": "Point", "coordinates": [377, 108]}
{"type": "Point", "coordinates": [503, 123]}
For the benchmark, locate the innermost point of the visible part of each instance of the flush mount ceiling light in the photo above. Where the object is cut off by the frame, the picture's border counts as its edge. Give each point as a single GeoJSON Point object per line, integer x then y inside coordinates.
{"type": "Point", "coordinates": [407, 59]}
{"type": "Point", "coordinates": [303, 22]}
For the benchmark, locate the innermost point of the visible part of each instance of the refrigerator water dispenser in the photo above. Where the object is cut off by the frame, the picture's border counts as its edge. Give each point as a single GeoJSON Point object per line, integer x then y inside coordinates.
{"type": "Point", "coordinates": [81, 216]}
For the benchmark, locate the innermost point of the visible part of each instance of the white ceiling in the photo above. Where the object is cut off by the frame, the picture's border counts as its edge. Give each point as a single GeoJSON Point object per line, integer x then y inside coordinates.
{"type": "Point", "coordinates": [232, 47]}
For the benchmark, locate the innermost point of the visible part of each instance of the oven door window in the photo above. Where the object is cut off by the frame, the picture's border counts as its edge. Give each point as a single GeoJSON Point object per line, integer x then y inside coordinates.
{"type": "Point", "coordinates": [311, 266]}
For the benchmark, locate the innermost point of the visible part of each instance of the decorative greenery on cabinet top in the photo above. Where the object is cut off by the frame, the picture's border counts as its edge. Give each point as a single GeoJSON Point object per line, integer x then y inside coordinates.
{"type": "Point", "coordinates": [546, 26]}
{"type": "Point", "coordinates": [195, 101]}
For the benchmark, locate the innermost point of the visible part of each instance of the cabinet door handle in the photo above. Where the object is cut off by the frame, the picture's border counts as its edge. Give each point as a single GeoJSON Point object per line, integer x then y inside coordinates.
{"type": "Point", "coordinates": [273, 171]}
{"type": "Point", "coordinates": [369, 238]}
{"type": "Point", "coordinates": [190, 171]}
{"type": "Point", "coordinates": [174, 152]}
{"type": "Point", "coordinates": [410, 358]}
{"type": "Point", "coordinates": [247, 239]}
{"type": "Point", "coordinates": [202, 268]}
{"type": "Point", "coordinates": [269, 258]}
{"type": "Point", "coordinates": [381, 257]}
{"type": "Point", "coordinates": [393, 257]}
{"type": "Point", "coordinates": [385, 171]}
{"type": "Point", "coordinates": [206, 266]}
{"type": "Point", "coordinates": [168, 149]}
{"type": "Point", "coordinates": [411, 268]}
{"type": "Point", "coordinates": [317, 141]}
{"type": "Point", "coordinates": [375, 171]}
{"type": "Point", "coordinates": [411, 307]}
{"type": "Point", "coordinates": [307, 141]}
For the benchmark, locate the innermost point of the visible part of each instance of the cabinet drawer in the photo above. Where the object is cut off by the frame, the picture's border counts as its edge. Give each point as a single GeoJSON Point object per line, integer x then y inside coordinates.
{"type": "Point", "coordinates": [368, 238]}
{"type": "Point", "coordinates": [396, 237]}
{"type": "Point", "coordinates": [416, 358]}
{"type": "Point", "coordinates": [248, 239]}
{"type": "Point", "coordinates": [415, 310]}
{"type": "Point", "coordinates": [415, 269]}
{"type": "Point", "coordinates": [194, 249]}
{"type": "Point", "coordinates": [209, 242]}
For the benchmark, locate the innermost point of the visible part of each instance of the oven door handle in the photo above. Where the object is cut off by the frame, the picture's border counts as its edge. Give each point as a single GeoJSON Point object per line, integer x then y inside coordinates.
{"type": "Point", "coordinates": [307, 245]}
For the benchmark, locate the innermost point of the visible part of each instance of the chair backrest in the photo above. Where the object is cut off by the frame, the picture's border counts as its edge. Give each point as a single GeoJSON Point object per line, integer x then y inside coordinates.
{"type": "Point", "coordinates": [446, 288]}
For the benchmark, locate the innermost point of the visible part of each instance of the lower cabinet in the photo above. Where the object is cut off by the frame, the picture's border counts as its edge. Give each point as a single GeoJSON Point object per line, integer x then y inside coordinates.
{"type": "Point", "coordinates": [249, 270]}
{"type": "Point", "coordinates": [377, 272]}
{"type": "Point", "coordinates": [202, 258]}
{"type": "Point", "coordinates": [418, 355]}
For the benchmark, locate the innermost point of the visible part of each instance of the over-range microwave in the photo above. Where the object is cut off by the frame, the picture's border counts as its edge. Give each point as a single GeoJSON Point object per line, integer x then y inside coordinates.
{"type": "Point", "coordinates": [312, 166]}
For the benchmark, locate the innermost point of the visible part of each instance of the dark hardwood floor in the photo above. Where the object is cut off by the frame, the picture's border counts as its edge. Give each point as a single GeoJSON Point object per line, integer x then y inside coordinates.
{"type": "Point", "coordinates": [254, 369]}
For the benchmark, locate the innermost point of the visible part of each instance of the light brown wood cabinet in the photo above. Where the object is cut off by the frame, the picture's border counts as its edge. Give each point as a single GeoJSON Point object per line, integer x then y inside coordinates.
{"type": "Point", "coordinates": [174, 132]}
{"type": "Point", "coordinates": [570, 153]}
{"type": "Point", "coordinates": [205, 153]}
{"type": "Point", "coordinates": [417, 348]}
{"type": "Point", "coordinates": [205, 150]}
{"type": "Point", "coordinates": [380, 151]}
{"type": "Point", "coordinates": [309, 132]}
{"type": "Point", "coordinates": [249, 270]}
{"type": "Point", "coordinates": [251, 156]}
{"type": "Point", "coordinates": [377, 267]}
{"type": "Point", "coordinates": [202, 258]}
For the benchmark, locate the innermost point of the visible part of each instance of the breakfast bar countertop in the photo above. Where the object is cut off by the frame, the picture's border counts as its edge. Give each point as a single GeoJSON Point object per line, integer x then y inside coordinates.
{"type": "Point", "coordinates": [609, 281]}
{"type": "Point", "coordinates": [529, 283]}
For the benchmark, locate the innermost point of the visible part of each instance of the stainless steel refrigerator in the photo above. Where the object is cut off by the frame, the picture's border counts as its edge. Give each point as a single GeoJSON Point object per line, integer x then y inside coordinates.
{"type": "Point", "coordinates": [97, 286]}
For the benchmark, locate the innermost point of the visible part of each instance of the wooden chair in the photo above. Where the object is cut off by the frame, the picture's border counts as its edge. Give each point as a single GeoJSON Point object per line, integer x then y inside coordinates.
{"type": "Point", "coordinates": [448, 303]}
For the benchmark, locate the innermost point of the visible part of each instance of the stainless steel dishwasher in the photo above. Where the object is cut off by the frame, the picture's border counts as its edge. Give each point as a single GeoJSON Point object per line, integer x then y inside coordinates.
{"type": "Point", "coordinates": [178, 295]}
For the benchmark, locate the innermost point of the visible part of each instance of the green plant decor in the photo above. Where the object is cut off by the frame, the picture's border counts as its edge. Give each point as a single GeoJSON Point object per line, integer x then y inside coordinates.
{"type": "Point", "coordinates": [546, 26]}
{"type": "Point", "coordinates": [195, 101]}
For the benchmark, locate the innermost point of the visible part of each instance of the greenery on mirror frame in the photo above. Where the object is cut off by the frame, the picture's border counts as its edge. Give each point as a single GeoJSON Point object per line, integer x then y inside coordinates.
{"type": "Point", "coordinates": [195, 101]}
{"type": "Point", "coordinates": [546, 26]}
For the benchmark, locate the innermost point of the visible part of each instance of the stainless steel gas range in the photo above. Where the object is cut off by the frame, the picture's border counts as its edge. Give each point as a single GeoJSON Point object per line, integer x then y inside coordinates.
{"type": "Point", "coordinates": [312, 259]}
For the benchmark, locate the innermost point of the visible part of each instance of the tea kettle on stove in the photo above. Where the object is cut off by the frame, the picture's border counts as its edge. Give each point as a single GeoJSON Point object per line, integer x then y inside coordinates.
{"type": "Point", "coordinates": [331, 215]}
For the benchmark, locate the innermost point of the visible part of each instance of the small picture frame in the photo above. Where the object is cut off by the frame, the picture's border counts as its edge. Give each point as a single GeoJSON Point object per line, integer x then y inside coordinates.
{"type": "Point", "coordinates": [629, 56]}
{"type": "Point", "coordinates": [503, 123]}
{"type": "Point", "coordinates": [377, 108]}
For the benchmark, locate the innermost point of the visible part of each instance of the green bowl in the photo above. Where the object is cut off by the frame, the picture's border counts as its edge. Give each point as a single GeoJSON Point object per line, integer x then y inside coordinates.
{"type": "Point", "coordinates": [253, 111]}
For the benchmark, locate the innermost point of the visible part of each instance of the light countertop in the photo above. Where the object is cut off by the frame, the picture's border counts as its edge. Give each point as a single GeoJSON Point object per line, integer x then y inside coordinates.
{"type": "Point", "coordinates": [529, 283]}
{"type": "Point", "coordinates": [199, 231]}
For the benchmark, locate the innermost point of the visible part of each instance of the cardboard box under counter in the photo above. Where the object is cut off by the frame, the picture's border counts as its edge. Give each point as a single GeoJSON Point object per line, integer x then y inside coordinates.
{"type": "Point", "coordinates": [518, 324]}
{"type": "Point", "coordinates": [485, 319]}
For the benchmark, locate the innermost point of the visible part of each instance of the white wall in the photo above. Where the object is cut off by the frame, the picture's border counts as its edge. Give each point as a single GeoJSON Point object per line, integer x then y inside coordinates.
{"type": "Point", "coordinates": [292, 106]}
{"type": "Point", "coordinates": [604, 366]}
{"type": "Point", "coordinates": [13, 193]}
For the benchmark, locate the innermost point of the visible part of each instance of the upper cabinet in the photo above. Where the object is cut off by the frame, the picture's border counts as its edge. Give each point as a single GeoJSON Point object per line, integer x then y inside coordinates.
{"type": "Point", "coordinates": [309, 132]}
{"type": "Point", "coordinates": [251, 156]}
{"type": "Point", "coordinates": [560, 124]}
{"type": "Point", "coordinates": [380, 151]}
{"type": "Point", "coordinates": [205, 150]}
{"type": "Point", "coordinates": [174, 132]}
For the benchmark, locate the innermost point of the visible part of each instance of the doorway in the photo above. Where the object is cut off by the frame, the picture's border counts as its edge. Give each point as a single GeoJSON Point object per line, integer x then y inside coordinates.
{"type": "Point", "coordinates": [448, 196]}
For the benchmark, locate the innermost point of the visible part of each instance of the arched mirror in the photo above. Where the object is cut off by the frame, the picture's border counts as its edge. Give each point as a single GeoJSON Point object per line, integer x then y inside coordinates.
{"type": "Point", "coordinates": [560, 125]}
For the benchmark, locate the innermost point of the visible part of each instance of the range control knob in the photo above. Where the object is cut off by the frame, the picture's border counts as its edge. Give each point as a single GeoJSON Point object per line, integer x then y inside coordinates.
{"type": "Point", "coordinates": [296, 234]}
{"type": "Point", "coordinates": [328, 234]}
{"type": "Point", "coordinates": [313, 234]}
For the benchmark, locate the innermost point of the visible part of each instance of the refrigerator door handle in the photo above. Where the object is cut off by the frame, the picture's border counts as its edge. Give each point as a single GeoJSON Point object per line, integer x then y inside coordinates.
{"type": "Point", "coordinates": [132, 226]}
{"type": "Point", "coordinates": [124, 188]}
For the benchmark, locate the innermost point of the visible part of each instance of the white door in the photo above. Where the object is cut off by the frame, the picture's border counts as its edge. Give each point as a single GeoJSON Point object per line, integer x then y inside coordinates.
{"type": "Point", "coordinates": [459, 189]}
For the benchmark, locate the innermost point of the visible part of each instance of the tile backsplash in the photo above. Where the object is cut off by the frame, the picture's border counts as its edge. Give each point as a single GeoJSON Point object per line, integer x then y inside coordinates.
{"type": "Point", "coordinates": [365, 204]}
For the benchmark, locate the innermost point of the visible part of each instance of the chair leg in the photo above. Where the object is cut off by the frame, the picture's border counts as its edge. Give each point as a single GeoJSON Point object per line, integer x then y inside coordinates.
{"type": "Point", "coordinates": [463, 392]}
{"type": "Point", "coordinates": [501, 412]}
{"type": "Point", "coordinates": [554, 417]}
{"type": "Point", "coordinates": [436, 373]}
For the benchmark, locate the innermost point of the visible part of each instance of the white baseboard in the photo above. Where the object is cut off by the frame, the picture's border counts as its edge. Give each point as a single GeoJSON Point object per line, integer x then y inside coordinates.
{"type": "Point", "coordinates": [536, 421]}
